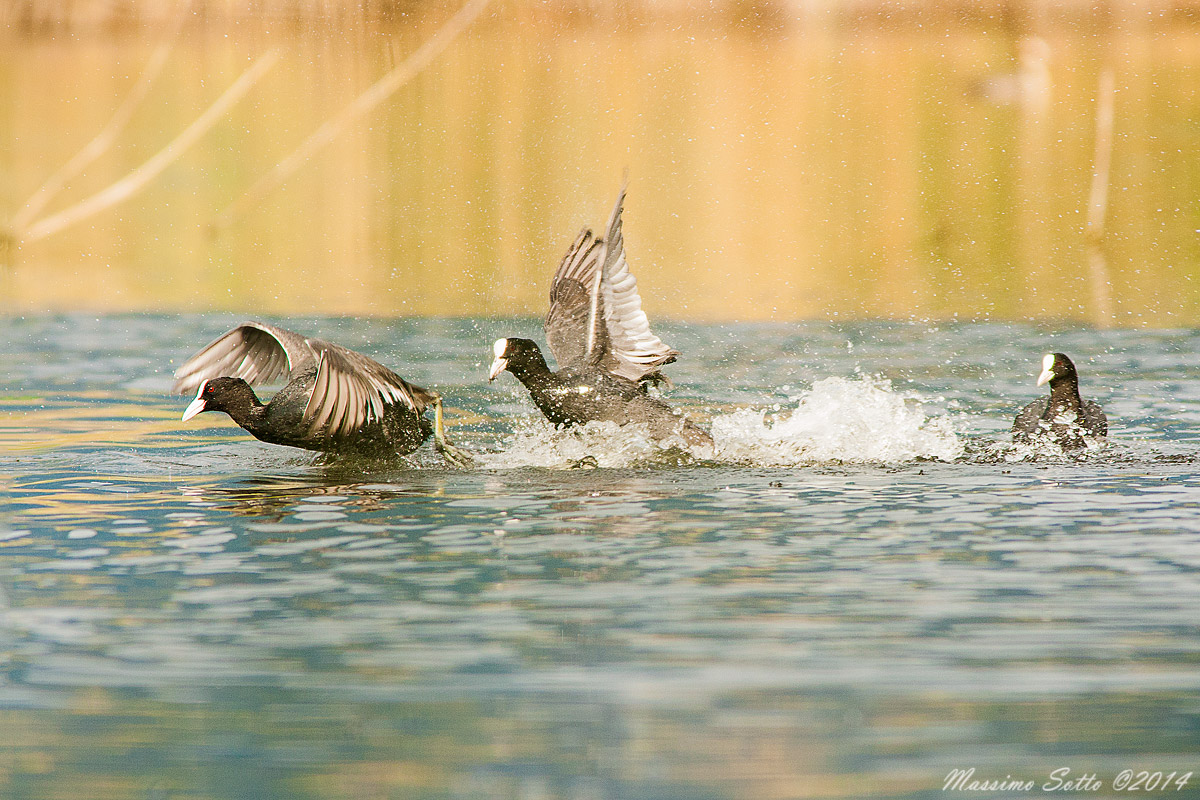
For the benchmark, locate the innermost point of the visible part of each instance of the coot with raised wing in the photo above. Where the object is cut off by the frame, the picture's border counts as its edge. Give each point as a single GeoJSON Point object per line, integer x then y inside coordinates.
{"type": "Point", "coordinates": [601, 339]}
{"type": "Point", "coordinates": [336, 400]}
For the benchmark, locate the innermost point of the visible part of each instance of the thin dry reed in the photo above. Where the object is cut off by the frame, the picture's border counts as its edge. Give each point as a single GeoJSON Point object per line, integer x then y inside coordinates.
{"type": "Point", "coordinates": [137, 180]}
{"type": "Point", "coordinates": [382, 89]}
{"type": "Point", "coordinates": [107, 136]}
{"type": "Point", "coordinates": [1098, 204]}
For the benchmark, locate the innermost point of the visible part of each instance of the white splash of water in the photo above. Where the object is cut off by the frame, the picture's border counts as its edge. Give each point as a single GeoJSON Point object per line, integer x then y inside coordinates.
{"type": "Point", "coordinates": [859, 420]}
{"type": "Point", "coordinates": [1044, 448]}
{"type": "Point", "coordinates": [534, 442]}
{"type": "Point", "coordinates": [839, 419]}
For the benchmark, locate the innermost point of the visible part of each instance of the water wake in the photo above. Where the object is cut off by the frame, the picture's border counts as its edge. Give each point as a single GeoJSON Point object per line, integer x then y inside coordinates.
{"type": "Point", "coordinates": [1039, 449]}
{"type": "Point", "coordinates": [846, 420]}
{"type": "Point", "coordinates": [860, 420]}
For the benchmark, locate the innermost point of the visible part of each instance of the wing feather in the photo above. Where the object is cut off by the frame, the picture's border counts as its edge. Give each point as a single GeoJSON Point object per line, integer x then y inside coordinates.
{"type": "Point", "coordinates": [351, 390]}
{"type": "Point", "coordinates": [350, 408]}
{"type": "Point", "coordinates": [319, 408]}
{"type": "Point", "coordinates": [571, 326]}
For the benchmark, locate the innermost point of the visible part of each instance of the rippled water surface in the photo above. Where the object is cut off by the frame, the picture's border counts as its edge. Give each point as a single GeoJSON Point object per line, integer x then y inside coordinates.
{"type": "Point", "coordinates": [865, 588]}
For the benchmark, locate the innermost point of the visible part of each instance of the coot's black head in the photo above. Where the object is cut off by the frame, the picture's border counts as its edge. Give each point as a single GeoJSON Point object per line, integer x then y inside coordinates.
{"type": "Point", "coordinates": [1057, 368]}
{"type": "Point", "coordinates": [517, 356]}
{"type": "Point", "coordinates": [231, 395]}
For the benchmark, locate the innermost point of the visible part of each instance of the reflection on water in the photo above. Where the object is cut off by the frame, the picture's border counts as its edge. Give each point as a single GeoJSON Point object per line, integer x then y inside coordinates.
{"type": "Point", "coordinates": [799, 174]}
{"type": "Point", "coordinates": [187, 612]}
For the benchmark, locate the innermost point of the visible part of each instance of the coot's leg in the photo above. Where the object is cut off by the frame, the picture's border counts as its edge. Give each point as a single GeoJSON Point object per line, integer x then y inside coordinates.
{"type": "Point", "coordinates": [453, 455]}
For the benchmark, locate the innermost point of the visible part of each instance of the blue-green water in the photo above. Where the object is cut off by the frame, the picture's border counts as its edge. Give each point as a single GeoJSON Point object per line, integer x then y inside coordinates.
{"type": "Point", "coordinates": [864, 590]}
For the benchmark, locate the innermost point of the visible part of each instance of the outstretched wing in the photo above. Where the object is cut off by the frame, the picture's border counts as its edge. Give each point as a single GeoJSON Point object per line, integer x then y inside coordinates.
{"type": "Point", "coordinates": [254, 351]}
{"type": "Point", "coordinates": [596, 312]}
{"type": "Point", "coordinates": [351, 390]}
{"type": "Point", "coordinates": [571, 322]}
{"type": "Point", "coordinates": [633, 350]}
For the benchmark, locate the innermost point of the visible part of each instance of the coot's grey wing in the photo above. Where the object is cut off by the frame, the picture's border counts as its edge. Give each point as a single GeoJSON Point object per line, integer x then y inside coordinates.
{"type": "Point", "coordinates": [571, 315]}
{"type": "Point", "coordinates": [1030, 416]}
{"type": "Point", "coordinates": [1094, 420]}
{"type": "Point", "coordinates": [633, 350]}
{"type": "Point", "coordinates": [254, 351]}
{"type": "Point", "coordinates": [351, 390]}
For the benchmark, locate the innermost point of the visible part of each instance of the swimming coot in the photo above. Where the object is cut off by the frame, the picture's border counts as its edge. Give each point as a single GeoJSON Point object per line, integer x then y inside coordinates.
{"type": "Point", "coordinates": [336, 400]}
{"type": "Point", "coordinates": [1063, 417]}
{"type": "Point", "coordinates": [602, 342]}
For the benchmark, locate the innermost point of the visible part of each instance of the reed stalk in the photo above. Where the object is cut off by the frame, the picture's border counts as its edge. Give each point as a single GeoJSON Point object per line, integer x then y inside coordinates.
{"type": "Point", "coordinates": [136, 180]}
{"type": "Point", "coordinates": [109, 133]}
{"type": "Point", "coordinates": [382, 89]}
{"type": "Point", "coordinates": [1098, 202]}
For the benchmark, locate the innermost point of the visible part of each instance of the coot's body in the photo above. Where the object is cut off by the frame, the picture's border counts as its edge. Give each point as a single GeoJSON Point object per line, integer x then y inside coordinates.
{"type": "Point", "coordinates": [1064, 417]}
{"type": "Point", "coordinates": [282, 421]}
{"type": "Point", "coordinates": [583, 393]}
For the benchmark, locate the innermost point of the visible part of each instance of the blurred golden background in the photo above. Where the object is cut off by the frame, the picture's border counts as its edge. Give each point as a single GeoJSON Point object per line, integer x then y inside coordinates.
{"type": "Point", "coordinates": [787, 160]}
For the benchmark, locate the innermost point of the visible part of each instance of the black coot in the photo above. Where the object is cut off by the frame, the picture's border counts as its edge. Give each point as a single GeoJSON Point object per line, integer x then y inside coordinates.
{"type": "Point", "coordinates": [336, 400]}
{"type": "Point", "coordinates": [1063, 417]}
{"type": "Point", "coordinates": [602, 342]}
